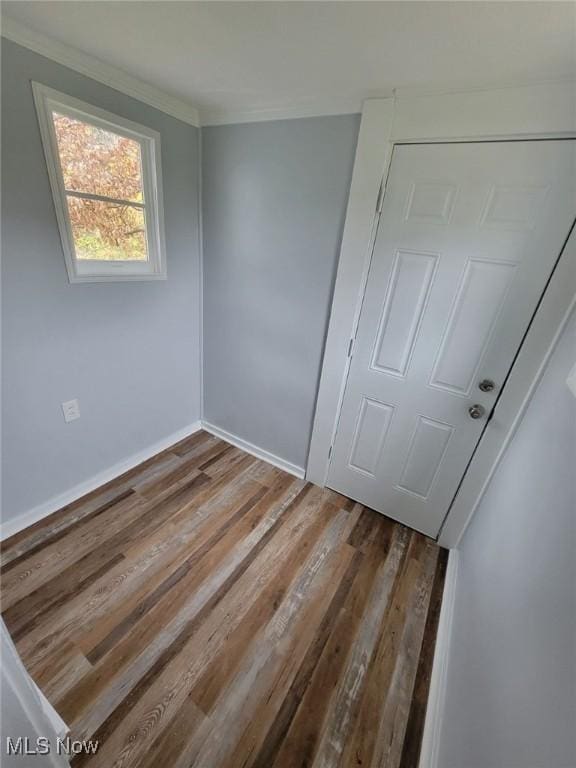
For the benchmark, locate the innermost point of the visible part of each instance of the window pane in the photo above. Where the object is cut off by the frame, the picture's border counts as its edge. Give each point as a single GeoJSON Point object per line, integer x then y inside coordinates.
{"type": "Point", "coordinates": [107, 231]}
{"type": "Point", "coordinates": [97, 161]}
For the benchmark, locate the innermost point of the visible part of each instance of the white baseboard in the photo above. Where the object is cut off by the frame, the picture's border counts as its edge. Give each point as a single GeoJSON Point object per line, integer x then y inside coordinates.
{"type": "Point", "coordinates": [429, 752]}
{"type": "Point", "coordinates": [11, 527]}
{"type": "Point", "coordinates": [260, 453]}
{"type": "Point", "coordinates": [60, 727]}
{"type": "Point", "coordinates": [36, 716]}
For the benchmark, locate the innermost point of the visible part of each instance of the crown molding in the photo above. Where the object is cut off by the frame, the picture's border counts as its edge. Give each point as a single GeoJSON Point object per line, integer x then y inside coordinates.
{"type": "Point", "coordinates": [353, 104]}
{"type": "Point", "coordinates": [181, 109]}
{"type": "Point", "coordinates": [346, 106]}
{"type": "Point", "coordinates": [98, 70]}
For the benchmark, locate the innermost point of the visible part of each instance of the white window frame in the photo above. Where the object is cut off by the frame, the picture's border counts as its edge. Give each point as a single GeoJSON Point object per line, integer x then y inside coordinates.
{"type": "Point", "coordinates": [48, 100]}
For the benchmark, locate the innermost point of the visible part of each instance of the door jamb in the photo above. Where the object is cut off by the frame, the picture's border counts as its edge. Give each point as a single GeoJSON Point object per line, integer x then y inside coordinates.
{"type": "Point", "coordinates": [529, 112]}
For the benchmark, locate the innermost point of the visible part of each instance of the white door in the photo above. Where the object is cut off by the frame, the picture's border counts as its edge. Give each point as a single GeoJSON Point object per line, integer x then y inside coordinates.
{"type": "Point", "coordinates": [468, 236]}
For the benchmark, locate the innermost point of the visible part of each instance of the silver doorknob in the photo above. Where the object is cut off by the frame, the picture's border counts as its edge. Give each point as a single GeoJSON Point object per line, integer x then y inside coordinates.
{"type": "Point", "coordinates": [486, 385]}
{"type": "Point", "coordinates": [476, 411]}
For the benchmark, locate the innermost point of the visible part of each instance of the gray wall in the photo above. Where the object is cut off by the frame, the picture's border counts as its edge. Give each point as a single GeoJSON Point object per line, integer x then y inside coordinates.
{"type": "Point", "coordinates": [128, 351]}
{"type": "Point", "coordinates": [511, 696]}
{"type": "Point", "coordinates": [274, 200]}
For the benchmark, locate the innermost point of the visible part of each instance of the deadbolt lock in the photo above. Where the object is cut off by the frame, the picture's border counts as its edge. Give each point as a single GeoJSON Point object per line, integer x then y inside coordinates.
{"type": "Point", "coordinates": [486, 385]}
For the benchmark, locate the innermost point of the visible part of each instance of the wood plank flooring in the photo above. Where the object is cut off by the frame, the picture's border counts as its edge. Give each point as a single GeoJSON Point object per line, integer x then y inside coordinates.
{"type": "Point", "coordinates": [207, 609]}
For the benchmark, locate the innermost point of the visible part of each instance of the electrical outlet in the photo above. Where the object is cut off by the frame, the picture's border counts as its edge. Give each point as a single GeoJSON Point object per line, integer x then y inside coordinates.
{"type": "Point", "coordinates": [71, 410]}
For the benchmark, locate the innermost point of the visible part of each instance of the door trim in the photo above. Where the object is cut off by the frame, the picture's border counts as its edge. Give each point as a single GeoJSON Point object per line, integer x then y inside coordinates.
{"type": "Point", "coordinates": [526, 113]}
{"type": "Point", "coordinates": [556, 306]}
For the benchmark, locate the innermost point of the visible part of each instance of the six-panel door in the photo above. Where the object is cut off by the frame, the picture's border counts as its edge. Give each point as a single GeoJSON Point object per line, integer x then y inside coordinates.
{"type": "Point", "coordinates": [468, 236]}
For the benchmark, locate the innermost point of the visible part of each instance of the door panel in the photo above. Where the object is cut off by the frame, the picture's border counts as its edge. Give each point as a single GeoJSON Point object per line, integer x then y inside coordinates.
{"type": "Point", "coordinates": [373, 422]}
{"type": "Point", "coordinates": [477, 304]}
{"type": "Point", "coordinates": [468, 236]}
{"type": "Point", "coordinates": [410, 283]}
{"type": "Point", "coordinates": [425, 455]}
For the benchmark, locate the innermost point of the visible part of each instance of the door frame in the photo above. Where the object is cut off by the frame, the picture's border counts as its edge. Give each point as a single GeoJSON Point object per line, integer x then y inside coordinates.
{"type": "Point", "coordinates": [523, 113]}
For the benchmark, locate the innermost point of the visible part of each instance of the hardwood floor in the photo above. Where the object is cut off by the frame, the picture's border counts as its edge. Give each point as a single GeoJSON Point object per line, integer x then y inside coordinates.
{"type": "Point", "coordinates": [206, 609]}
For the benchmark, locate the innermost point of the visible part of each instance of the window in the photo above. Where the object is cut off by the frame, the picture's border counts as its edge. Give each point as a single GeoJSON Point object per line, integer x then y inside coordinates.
{"type": "Point", "coordinates": [106, 180]}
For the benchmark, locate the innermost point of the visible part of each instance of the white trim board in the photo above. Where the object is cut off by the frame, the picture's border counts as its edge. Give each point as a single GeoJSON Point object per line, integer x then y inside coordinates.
{"type": "Point", "coordinates": [414, 102]}
{"type": "Point", "coordinates": [61, 728]}
{"type": "Point", "coordinates": [41, 511]}
{"type": "Point", "coordinates": [10, 527]}
{"type": "Point", "coordinates": [373, 153]}
{"type": "Point", "coordinates": [430, 748]}
{"type": "Point", "coordinates": [552, 316]}
{"type": "Point", "coordinates": [95, 68]}
{"type": "Point", "coordinates": [254, 450]}
{"type": "Point", "coordinates": [98, 70]}
{"type": "Point", "coordinates": [422, 112]}
{"type": "Point", "coordinates": [34, 713]}
{"type": "Point", "coordinates": [212, 117]}
{"type": "Point", "coordinates": [540, 111]}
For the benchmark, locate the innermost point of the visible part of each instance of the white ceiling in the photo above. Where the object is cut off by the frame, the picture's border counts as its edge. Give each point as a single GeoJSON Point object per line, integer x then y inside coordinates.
{"type": "Point", "coordinates": [233, 58]}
